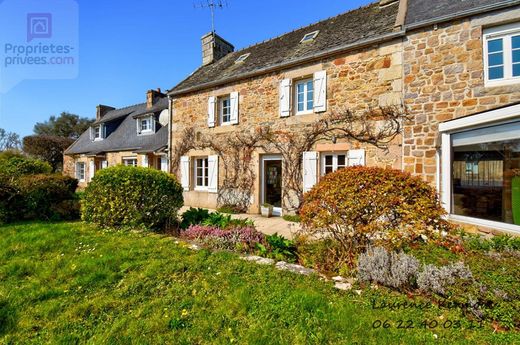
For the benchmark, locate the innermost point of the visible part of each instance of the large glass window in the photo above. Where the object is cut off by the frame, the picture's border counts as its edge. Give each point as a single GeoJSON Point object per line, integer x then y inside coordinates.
{"type": "Point", "coordinates": [80, 171]}
{"type": "Point", "coordinates": [130, 162]}
{"type": "Point", "coordinates": [486, 173]}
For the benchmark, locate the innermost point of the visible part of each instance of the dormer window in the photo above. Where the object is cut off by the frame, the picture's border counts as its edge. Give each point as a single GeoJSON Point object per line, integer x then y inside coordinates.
{"type": "Point", "coordinates": [242, 58]}
{"type": "Point", "coordinates": [97, 132]}
{"type": "Point", "coordinates": [310, 36]}
{"type": "Point", "coordinates": [145, 125]}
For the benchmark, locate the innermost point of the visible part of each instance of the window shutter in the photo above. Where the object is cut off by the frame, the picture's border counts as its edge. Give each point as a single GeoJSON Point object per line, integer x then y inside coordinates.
{"type": "Point", "coordinates": [356, 157]}
{"type": "Point", "coordinates": [310, 170]}
{"type": "Point", "coordinates": [91, 170]}
{"type": "Point", "coordinates": [320, 91]}
{"type": "Point", "coordinates": [138, 126]}
{"type": "Point", "coordinates": [185, 172]}
{"type": "Point", "coordinates": [233, 98]}
{"type": "Point", "coordinates": [144, 161]}
{"type": "Point", "coordinates": [211, 111]}
{"type": "Point", "coordinates": [103, 131]}
{"type": "Point", "coordinates": [213, 174]}
{"type": "Point", "coordinates": [152, 122]}
{"type": "Point", "coordinates": [91, 132]}
{"type": "Point", "coordinates": [285, 97]}
{"type": "Point", "coordinates": [104, 164]}
{"type": "Point", "coordinates": [164, 164]}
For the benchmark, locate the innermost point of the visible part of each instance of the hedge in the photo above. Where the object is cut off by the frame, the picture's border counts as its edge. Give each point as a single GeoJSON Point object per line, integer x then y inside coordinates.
{"type": "Point", "coordinates": [132, 196]}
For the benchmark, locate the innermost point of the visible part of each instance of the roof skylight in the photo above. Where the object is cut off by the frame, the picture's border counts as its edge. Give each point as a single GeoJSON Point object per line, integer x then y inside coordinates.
{"type": "Point", "coordinates": [242, 57]}
{"type": "Point", "coordinates": [310, 36]}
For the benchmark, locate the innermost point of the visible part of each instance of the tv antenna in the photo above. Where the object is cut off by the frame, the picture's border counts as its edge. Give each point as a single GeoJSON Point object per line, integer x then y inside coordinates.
{"type": "Point", "coordinates": [212, 5]}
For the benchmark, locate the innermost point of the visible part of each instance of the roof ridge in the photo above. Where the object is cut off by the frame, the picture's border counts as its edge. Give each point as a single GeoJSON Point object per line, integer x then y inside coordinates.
{"type": "Point", "coordinates": [305, 26]}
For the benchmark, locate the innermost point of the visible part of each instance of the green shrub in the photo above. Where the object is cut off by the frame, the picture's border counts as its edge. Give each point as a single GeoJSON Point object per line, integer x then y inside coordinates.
{"type": "Point", "coordinates": [224, 221]}
{"type": "Point", "coordinates": [292, 218]}
{"type": "Point", "coordinates": [41, 196]}
{"type": "Point", "coordinates": [17, 165]}
{"type": "Point", "coordinates": [193, 216]}
{"type": "Point", "coordinates": [498, 243]}
{"type": "Point", "coordinates": [228, 209]}
{"type": "Point", "coordinates": [278, 247]}
{"type": "Point", "coordinates": [359, 206]}
{"type": "Point", "coordinates": [132, 196]}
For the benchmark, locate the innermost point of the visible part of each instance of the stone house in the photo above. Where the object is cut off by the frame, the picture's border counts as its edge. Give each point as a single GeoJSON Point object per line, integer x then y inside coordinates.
{"type": "Point", "coordinates": [136, 135]}
{"type": "Point", "coordinates": [453, 64]}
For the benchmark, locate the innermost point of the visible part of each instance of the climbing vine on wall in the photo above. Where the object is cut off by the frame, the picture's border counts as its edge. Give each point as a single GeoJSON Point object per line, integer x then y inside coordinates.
{"type": "Point", "coordinates": [376, 126]}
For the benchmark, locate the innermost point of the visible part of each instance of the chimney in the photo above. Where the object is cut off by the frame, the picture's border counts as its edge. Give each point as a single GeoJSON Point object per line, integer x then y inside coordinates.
{"type": "Point", "coordinates": [152, 96]}
{"type": "Point", "coordinates": [102, 110]}
{"type": "Point", "coordinates": [214, 48]}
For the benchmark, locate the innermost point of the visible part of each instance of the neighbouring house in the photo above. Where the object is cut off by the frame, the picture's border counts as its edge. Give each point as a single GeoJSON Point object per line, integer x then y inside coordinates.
{"type": "Point", "coordinates": [136, 135]}
{"type": "Point", "coordinates": [453, 65]}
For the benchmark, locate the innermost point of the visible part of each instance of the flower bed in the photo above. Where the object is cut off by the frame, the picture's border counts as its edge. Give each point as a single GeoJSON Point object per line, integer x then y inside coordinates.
{"type": "Point", "coordinates": [242, 239]}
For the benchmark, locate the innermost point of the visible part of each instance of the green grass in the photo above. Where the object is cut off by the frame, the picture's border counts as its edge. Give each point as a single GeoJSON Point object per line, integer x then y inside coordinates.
{"type": "Point", "coordinates": [68, 283]}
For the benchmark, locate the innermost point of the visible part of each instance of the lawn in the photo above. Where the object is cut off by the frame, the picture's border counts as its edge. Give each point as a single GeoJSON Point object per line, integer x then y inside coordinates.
{"type": "Point", "coordinates": [67, 283]}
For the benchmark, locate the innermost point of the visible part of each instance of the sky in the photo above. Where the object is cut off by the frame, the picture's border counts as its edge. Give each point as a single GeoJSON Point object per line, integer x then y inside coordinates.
{"type": "Point", "coordinates": [127, 47]}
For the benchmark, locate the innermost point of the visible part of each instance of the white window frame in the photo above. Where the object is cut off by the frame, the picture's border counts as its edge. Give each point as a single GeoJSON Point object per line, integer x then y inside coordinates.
{"type": "Point", "coordinates": [310, 36]}
{"type": "Point", "coordinates": [80, 172]}
{"type": "Point", "coordinates": [128, 159]}
{"type": "Point", "coordinates": [303, 82]}
{"type": "Point", "coordinates": [221, 108]}
{"type": "Point", "coordinates": [335, 165]}
{"type": "Point", "coordinates": [99, 135]}
{"type": "Point", "coordinates": [504, 32]}
{"type": "Point", "coordinates": [482, 120]}
{"type": "Point", "coordinates": [150, 127]}
{"type": "Point", "coordinates": [205, 173]}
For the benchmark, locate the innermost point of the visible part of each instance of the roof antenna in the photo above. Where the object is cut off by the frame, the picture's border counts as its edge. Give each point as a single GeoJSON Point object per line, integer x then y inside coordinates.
{"type": "Point", "coordinates": [212, 5]}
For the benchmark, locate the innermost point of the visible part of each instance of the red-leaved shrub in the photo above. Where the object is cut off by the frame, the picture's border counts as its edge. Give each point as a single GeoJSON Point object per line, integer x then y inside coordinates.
{"type": "Point", "coordinates": [243, 239]}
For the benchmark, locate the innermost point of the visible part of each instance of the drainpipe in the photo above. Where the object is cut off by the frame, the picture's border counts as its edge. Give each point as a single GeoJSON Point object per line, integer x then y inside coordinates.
{"type": "Point", "coordinates": [169, 145]}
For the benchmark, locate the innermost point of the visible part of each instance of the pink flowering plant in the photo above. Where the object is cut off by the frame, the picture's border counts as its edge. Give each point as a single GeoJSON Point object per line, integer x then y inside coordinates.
{"type": "Point", "coordinates": [240, 238]}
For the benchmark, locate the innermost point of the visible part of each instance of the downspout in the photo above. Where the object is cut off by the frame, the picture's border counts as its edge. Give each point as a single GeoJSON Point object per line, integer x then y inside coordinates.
{"type": "Point", "coordinates": [169, 144]}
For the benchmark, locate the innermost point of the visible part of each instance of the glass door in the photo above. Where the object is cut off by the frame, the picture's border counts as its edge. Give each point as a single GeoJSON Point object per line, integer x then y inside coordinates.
{"type": "Point", "coordinates": [272, 183]}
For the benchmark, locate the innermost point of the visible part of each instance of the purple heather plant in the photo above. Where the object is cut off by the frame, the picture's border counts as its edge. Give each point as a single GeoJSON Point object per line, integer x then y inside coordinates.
{"type": "Point", "coordinates": [237, 238]}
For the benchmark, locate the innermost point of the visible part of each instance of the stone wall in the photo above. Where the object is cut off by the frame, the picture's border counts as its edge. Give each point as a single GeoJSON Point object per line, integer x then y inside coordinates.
{"type": "Point", "coordinates": [444, 80]}
{"type": "Point", "coordinates": [357, 80]}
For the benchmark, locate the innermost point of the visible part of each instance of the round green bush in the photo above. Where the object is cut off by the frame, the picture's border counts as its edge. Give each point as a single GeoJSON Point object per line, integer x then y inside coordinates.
{"type": "Point", "coordinates": [18, 165]}
{"type": "Point", "coordinates": [361, 206]}
{"type": "Point", "coordinates": [131, 196]}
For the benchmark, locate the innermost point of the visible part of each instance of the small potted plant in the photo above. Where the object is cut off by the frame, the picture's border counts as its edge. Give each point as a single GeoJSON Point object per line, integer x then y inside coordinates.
{"type": "Point", "coordinates": [266, 210]}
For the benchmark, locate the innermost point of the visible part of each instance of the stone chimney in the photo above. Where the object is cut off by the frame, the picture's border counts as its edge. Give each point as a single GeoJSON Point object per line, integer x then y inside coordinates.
{"type": "Point", "coordinates": [214, 48]}
{"type": "Point", "coordinates": [152, 97]}
{"type": "Point", "coordinates": [102, 110]}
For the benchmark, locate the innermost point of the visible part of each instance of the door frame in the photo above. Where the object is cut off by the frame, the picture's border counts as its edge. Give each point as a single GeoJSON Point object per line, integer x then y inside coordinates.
{"type": "Point", "coordinates": [277, 211]}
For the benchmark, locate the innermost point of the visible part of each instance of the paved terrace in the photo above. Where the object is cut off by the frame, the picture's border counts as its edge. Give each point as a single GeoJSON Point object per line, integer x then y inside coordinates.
{"type": "Point", "coordinates": [268, 226]}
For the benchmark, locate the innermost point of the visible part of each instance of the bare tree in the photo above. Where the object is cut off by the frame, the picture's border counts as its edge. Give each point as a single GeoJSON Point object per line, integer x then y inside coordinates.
{"type": "Point", "coordinates": [9, 140]}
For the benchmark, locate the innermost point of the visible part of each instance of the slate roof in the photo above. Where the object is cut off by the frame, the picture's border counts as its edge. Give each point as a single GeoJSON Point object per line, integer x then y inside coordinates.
{"type": "Point", "coordinates": [365, 23]}
{"type": "Point", "coordinates": [427, 10]}
{"type": "Point", "coordinates": [124, 137]}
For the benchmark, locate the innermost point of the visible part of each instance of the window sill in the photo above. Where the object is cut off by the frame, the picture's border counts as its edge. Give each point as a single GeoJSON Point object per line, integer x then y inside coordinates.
{"type": "Point", "coordinates": [505, 227]}
{"type": "Point", "coordinates": [200, 189]}
{"type": "Point", "coordinates": [145, 133]}
{"type": "Point", "coordinates": [308, 112]}
{"type": "Point", "coordinates": [502, 82]}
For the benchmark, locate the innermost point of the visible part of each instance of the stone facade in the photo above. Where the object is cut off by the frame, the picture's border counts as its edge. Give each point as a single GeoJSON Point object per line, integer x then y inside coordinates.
{"type": "Point", "coordinates": [443, 80]}
{"type": "Point", "coordinates": [356, 80]}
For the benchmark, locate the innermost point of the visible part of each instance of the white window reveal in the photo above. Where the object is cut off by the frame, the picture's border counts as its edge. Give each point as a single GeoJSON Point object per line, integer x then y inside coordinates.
{"type": "Point", "coordinates": [163, 163]}
{"type": "Point", "coordinates": [103, 164]}
{"type": "Point", "coordinates": [502, 55]}
{"type": "Point", "coordinates": [310, 36]}
{"type": "Point", "coordinates": [144, 161]}
{"type": "Point", "coordinates": [130, 161]}
{"type": "Point", "coordinates": [145, 125]}
{"type": "Point", "coordinates": [80, 171]}
{"type": "Point", "coordinates": [91, 169]}
{"type": "Point", "coordinates": [304, 96]}
{"type": "Point", "coordinates": [185, 173]}
{"type": "Point", "coordinates": [242, 58]}
{"type": "Point", "coordinates": [201, 173]}
{"type": "Point", "coordinates": [97, 132]}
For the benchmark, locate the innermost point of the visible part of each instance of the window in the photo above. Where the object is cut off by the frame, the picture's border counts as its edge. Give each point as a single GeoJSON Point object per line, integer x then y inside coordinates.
{"type": "Point", "coordinates": [97, 132]}
{"type": "Point", "coordinates": [242, 58]}
{"type": "Point", "coordinates": [130, 161]}
{"type": "Point", "coordinates": [310, 36]}
{"type": "Point", "coordinates": [485, 174]}
{"type": "Point", "coordinates": [225, 110]}
{"type": "Point", "coordinates": [332, 162]}
{"type": "Point", "coordinates": [304, 96]}
{"type": "Point", "coordinates": [80, 171]}
{"type": "Point", "coordinates": [145, 125]}
{"type": "Point", "coordinates": [201, 173]}
{"type": "Point", "coordinates": [502, 54]}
